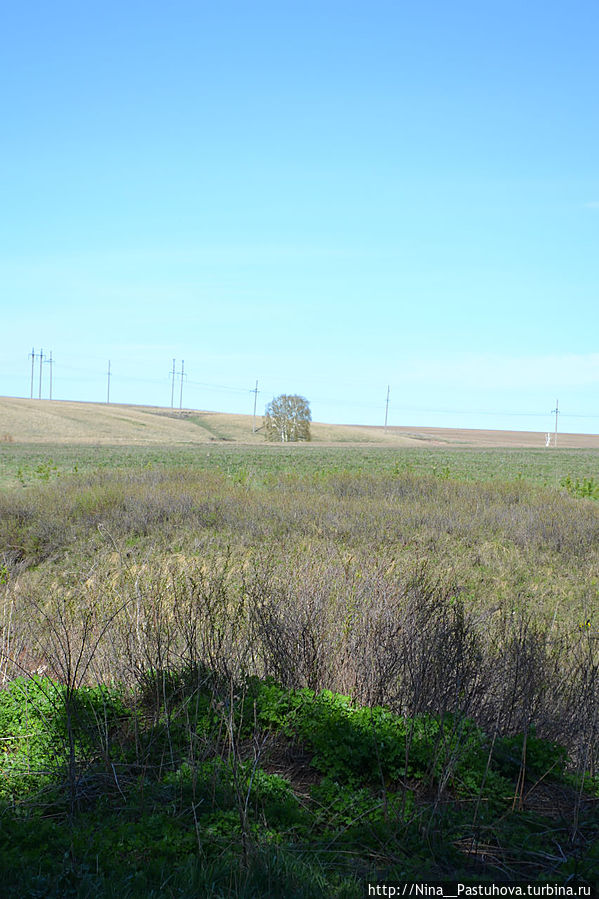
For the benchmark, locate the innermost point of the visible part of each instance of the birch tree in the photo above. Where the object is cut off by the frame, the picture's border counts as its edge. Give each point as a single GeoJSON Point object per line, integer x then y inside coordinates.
{"type": "Point", "coordinates": [287, 419]}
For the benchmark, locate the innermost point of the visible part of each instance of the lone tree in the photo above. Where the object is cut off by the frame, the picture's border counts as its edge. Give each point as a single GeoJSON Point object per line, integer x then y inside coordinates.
{"type": "Point", "coordinates": [287, 418]}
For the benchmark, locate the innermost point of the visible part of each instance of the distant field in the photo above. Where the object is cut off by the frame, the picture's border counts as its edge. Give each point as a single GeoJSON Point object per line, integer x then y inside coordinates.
{"type": "Point", "coordinates": [45, 421]}
{"type": "Point", "coordinates": [28, 464]}
{"type": "Point", "coordinates": [41, 440]}
{"type": "Point", "coordinates": [99, 424]}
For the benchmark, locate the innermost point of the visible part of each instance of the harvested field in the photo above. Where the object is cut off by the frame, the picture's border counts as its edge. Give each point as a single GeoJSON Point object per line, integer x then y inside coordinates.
{"type": "Point", "coordinates": [63, 422]}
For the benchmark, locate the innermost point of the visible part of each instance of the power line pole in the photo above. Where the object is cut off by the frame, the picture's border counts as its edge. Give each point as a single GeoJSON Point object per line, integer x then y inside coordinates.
{"type": "Point", "coordinates": [556, 410]}
{"type": "Point", "coordinates": [108, 386]}
{"type": "Point", "coordinates": [255, 392]}
{"type": "Point", "coordinates": [49, 362]}
{"type": "Point", "coordinates": [173, 386]}
{"type": "Point", "coordinates": [32, 354]}
{"type": "Point", "coordinates": [41, 366]}
{"type": "Point", "coordinates": [387, 408]}
{"type": "Point", "coordinates": [182, 373]}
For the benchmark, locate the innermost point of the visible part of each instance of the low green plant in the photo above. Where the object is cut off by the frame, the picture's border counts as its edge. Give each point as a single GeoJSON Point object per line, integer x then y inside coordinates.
{"type": "Point", "coordinates": [537, 756]}
{"type": "Point", "coordinates": [35, 716]}
{"type": "Point", "coordinates": [587, 487]}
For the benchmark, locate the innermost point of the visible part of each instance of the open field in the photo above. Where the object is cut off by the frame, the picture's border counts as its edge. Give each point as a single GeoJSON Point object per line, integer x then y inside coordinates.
{"type": "Point", "coordinates": [29, 463]}
{"type": "Point", "coordinates": [45, 421]}
{"type": "Point", "coordinates": [254, 670]}
{"type": "Point", "coordinates": [42, 440]}
{"type": "Point", "coordinates": [61, 422]}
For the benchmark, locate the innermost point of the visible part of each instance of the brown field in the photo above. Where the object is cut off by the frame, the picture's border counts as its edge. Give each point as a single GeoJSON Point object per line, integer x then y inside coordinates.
{"type": "Point", "coordinates": [490, 438]}
{"type": "Point", "coordinates": [54, 421]}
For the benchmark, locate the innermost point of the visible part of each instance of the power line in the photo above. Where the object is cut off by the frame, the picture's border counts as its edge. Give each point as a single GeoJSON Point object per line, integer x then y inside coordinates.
{"type": "Point", "coordinates": [182, 373]}
{"type": "Point", "coordinates": [173, 386]}
{"type": "Point", "coordinates": [387, 407]}
{"type": "Point", "coordinates": [255, 392]}
{"type": "Point", "coordinates": [49, 362]}
{"type": "Point", "coordinates": [41, 358]}
{"type": "Point", "coordinates": [218, 386]}
{"type": "Point", "coordinates": [343, 401]}
{"type": "Point", "coordinates": [32, 354]}
{"type": "Point", "coordinates": [556, 410]}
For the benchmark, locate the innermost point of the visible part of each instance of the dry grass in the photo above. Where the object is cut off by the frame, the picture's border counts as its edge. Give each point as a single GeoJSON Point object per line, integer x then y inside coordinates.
{"type": "Point", "coordinates": [44, 421]}
{"type": "Point", "coordinates": [489, 438]}
{"type": "Point", "coordinates": [450, 602]}
{"type": "Point", "coordinates": [60, 422]}
{"type": "Point", "coordinates": [417, 592]}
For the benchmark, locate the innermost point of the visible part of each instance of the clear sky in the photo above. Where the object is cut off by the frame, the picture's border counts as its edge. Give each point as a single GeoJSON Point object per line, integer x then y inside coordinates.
{"type": "Point", "coordinates": [328, 196]}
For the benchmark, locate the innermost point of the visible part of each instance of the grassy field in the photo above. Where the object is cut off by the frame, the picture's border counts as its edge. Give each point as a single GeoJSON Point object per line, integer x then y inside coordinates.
{"type": "Point", "coordinates": [26, 464]}
{"type": "Point", "coordinates": [268, 671]}
{"type": "Point", "coordinates": [68, 423]}
{"type": "Point", "coordinates": [25, 421]}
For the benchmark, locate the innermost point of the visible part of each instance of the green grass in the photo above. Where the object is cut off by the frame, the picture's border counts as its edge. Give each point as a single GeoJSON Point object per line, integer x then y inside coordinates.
{"type": "Point", "coordinates": [21, 464]}
{"type": "Point", "coordinates": [188, 794]}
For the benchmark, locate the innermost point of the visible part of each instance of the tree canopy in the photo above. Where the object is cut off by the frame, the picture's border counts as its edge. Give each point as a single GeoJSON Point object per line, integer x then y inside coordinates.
{"type": "Point", "coordinates": [287, 418]}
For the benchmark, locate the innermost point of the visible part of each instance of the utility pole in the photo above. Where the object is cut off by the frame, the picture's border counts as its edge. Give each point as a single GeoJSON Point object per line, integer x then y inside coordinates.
{"type": "Point", "coordinates": [255, 392]}
{"type": "Point", "coordinates": [49, 362]}
{"type": "Point", "coordinates": [173, 386]}
{"type": "Point", "coordinates": [182, 373]}
{"type": "Point", "coordinates": [387, 408]}
{"type": "Point", "coordinates": [556, 410]}
{"type": "Point", "coordinates": [41, 365]}
{"type": "Point", "coordinates": [32, 354]}
{"type": "Point", "coordinates": [108, 387]}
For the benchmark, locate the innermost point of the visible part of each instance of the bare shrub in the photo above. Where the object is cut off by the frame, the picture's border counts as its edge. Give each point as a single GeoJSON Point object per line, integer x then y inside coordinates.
{"type": "Point", "coordinates": [318, 582]}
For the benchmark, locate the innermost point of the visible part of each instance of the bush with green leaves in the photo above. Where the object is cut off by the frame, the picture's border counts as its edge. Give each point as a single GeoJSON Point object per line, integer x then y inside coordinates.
{"type": "Point", "coordinates": [43, 722]}
{"type": "Point", "coordinates": [527, 752]}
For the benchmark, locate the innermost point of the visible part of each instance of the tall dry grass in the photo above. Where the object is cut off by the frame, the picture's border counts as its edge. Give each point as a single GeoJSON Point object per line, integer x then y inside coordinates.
{"type": "Point", "coordinates": [419, 593]}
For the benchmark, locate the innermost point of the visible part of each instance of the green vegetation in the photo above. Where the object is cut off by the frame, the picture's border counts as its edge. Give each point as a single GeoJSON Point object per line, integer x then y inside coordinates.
{"type": "Point", "coordinates": [287, 671]}
{"type": "Point", "coordinates": [588, 487]}
{"type": "Point", "coordinates": [287, 419]}
{"type": "Point", "coordinates": [190, 787]}
{"type": "Point", "coordinates": [27, 463]}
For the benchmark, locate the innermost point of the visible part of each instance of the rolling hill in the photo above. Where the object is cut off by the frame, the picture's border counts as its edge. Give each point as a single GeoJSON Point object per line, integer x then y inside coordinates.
{"type": "Point", "coordinates": [64, 422]}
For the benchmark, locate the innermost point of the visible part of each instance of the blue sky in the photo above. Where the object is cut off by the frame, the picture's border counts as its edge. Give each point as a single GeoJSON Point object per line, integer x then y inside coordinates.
{"type": "Point", "coordinates": [328, 197]}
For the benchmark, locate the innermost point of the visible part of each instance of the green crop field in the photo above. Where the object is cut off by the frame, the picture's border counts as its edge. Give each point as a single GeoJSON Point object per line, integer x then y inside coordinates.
{"type": "Point", "coordinates": [26, 464]}
{"type": "Point", "coordinates": [268, 671]}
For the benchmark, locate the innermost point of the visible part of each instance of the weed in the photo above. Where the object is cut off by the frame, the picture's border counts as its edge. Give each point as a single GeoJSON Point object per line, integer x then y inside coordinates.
{"type": "Point", "coordinates": [278, 676]}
